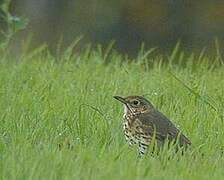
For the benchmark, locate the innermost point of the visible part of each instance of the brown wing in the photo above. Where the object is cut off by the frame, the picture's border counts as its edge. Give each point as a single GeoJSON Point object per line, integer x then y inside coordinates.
{"type": "Point", "coordinates": [175, 134]}
{"type": "Point", "coordinates": [163, 127]}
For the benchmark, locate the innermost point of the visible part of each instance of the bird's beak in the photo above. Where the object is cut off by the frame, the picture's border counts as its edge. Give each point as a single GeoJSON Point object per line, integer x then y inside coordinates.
{"type": "Point", "coordinates": [121, 99]}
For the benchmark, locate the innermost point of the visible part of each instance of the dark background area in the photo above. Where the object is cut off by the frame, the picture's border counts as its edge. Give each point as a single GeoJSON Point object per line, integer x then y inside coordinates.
{"type": "Point", "coordinates": [157, 23]}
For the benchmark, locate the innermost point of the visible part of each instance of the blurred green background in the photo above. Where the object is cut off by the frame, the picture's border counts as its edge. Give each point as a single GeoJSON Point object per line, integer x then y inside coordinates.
{"type": "Point", "coordinates": [157, 23]}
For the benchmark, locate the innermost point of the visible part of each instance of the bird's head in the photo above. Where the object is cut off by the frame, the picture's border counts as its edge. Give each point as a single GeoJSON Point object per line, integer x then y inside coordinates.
{"type": "Point", "coordinates": [135, 104]}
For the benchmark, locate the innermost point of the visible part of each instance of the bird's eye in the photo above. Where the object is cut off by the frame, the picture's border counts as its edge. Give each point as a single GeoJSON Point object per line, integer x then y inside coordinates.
{"type": "Point", "coordinates": [135, 102]}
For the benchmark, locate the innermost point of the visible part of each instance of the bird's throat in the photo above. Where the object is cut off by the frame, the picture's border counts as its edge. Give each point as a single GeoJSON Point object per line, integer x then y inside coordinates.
{"type": "Point", "coordinates": [129, 111]}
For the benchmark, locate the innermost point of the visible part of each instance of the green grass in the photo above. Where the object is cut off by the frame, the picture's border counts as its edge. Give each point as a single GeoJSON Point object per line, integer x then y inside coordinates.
{"type": "Point", "coordinates": [44, 103]}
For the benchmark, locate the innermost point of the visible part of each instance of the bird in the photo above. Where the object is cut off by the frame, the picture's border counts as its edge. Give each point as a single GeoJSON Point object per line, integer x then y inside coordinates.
{"type": "Point", "coordinates": [143, 125]}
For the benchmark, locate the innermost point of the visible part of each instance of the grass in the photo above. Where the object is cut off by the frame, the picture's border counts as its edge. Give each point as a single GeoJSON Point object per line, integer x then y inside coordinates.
{"type": "Point", "coordinates": [68, 101]}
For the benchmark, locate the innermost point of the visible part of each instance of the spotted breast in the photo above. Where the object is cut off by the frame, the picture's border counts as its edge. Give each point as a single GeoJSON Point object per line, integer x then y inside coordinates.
{"type": "Point", "coordinates": [134, 133]}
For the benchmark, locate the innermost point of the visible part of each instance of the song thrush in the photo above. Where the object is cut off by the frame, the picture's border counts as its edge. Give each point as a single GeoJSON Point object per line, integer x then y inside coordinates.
{"type": "Point", "coordinates": [143, 124]}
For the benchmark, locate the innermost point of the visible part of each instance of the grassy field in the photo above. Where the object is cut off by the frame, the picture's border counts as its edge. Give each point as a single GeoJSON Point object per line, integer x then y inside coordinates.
{"type": "Point", "coordinates": [48, 104]}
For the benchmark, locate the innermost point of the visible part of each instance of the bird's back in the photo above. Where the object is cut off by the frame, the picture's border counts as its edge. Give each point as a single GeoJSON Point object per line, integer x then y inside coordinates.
{"type": "Point", "coordinates": [163, 127]}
